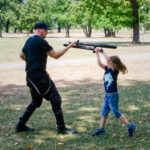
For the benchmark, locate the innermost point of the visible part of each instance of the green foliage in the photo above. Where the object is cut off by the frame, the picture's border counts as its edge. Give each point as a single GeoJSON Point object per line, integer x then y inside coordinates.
{"type": "Point", "coordinates": [61, 12]}
{"type": "Point", "coordinates": [82, 102]}
{"type": "Point", "coordinates": [101, 13]}
{"type": "Point", "coordinates": [29, 14]}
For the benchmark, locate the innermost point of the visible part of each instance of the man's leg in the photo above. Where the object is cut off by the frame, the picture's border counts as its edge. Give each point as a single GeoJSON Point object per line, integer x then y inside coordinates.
{"type": "Point", "coordinates": [22, 121]}
{"type": "Point", "coordinates": [36, 102]}
{"type": "Point", "coordinates": [55, 99]}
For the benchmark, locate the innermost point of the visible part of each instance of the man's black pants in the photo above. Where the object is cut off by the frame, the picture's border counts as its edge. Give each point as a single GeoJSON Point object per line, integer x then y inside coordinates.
{"type": "Point", "coordinates": [41, 86]}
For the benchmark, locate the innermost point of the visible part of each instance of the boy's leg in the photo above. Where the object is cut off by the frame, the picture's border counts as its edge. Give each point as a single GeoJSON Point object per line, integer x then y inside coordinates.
{"type": "Point", "coordinates": [104, 112]}
{"type": "Point", "coordinates": [103, 121]}
{"type": "Point", "coordinates": [100, 130]}
{"type": "Point", "coordinates": [123, 119]}
{"type": "Point", "coordinates": [131, 129]}
{"type": "Point", "coordinates": [113, 103]}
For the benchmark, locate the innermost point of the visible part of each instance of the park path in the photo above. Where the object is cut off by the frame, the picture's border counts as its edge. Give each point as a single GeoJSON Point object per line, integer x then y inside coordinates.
{"type": "Point", "coordinates": [76, 61]}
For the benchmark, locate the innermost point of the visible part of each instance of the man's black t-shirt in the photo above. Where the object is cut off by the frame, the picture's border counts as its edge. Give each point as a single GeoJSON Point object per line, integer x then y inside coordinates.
{"type": "Point", "coordinates": [35, 51]}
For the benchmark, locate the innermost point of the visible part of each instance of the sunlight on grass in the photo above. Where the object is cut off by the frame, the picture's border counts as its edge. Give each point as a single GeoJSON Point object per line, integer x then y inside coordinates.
{"type": "Point", "coordinates": [89, 109]}
{"type": "Point", "coordinates": [82, 91]}
{"type": "Point", "coordinates": [39, 140]}
{"type": "Point", "coordinates": [82, 129]}
{"type": "Point", "coordinates": [147, 105]}
{"type": "Point", "coordinates": [133, 108]}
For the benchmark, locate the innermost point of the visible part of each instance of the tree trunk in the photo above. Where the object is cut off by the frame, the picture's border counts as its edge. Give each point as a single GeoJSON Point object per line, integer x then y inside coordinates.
{"type": "Point", "coordinates": [0, 31]}
{"type": "Point", "coordinates": [7, 26]}
{"type": "Point", "coordinates": [31, 31]}
{"type": "Point", "coordinates": [20, 30]}
{"type": "Point", "coordinates": [88, 29]}
{"type": "Point", "coordinates": [59, 27]}
{"type": "Point", "coordinates": [109, 32]}
{"type": "Point", "coordinates": [67, 30]}
{"type": "Point", "coordinates": [15, 30]}
{"type": "Point", "coordinates": [135, 14]}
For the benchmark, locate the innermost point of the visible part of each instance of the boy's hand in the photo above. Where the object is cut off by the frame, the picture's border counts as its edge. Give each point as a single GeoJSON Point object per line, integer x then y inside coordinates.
{"type": "Point", "coordinates": [96, 50]}
{"type": "Point", "coordinates": [101, 50]}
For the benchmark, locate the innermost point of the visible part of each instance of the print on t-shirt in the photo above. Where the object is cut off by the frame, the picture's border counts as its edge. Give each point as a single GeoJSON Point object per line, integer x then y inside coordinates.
{"type": "Point", "coordinates": [109, 79]}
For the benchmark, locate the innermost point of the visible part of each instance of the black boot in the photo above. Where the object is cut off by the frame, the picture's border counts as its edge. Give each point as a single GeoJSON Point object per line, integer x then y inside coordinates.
{"type": "Point", "coordinates": [65, 131]}
{"type": "Point", "coordinates": [61, 128]}
{"type": "Point", "coordinates": [20, 126]}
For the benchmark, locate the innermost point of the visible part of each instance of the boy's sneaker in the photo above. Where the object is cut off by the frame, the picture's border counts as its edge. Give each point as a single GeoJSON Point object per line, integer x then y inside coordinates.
{"type": "Point", "coordinates": [99, 131]}
{"type": "Point", "coordinates": [131, 129]}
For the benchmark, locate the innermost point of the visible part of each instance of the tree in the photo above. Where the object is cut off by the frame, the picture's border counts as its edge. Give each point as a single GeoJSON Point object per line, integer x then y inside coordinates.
{"type": "Point", "coordinates": [3, 8]}
{"type": "Point", "coordinates": [135, 14]}
{"type": "Point", "coordinates": [94, 14]}
{"type": "Point", "coordinates": [138, 6]}
{"type": "Point", "coordinates": [62, 16]}
{"type": "Point", "coordinates": [33, 11]}
{"type": "Point", "coordinates": [11, 8]}
{"type": "Point", "coordinates": [112, 15]}
{"type": "Point", "coordinates": [84, 12]}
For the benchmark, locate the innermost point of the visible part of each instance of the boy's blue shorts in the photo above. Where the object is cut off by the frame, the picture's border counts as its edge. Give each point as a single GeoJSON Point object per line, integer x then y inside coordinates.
{"type": "Point", "coordinates": [111, 103]}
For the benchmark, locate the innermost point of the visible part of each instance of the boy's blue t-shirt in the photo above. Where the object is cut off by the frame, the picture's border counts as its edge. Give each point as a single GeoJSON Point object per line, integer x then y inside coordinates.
{"type": "Point", "coordinates": [110, 80]}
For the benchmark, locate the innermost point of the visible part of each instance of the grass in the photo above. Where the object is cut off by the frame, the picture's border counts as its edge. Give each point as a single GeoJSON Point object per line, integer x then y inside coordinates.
{"type": "Point", "coordinates": [81, 105]}
{"type": "Point", "coordinates": [10, 47]}
{"type": "Point", "coordinates": [82, 92]}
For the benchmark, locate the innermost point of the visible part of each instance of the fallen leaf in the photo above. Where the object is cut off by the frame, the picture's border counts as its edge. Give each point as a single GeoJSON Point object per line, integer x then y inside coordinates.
{"type": "Point", "coordinates": [61, 144]}
{"type": "Point", "coordinates": [114, 135]}
{"type": "Point", "coordinates": [16, 143]}
{"type": "Point", "coordinates": [29, 147]}
{"type": "Point", "coordinates": [129, 87]}
{"type": "Point", "coordinates": [14, 108]}
{"type": "Point", "coordinates": [62, 137]}
{"type": "Point", "coordinates": [82, 118]}
{"type": "Point", "coordinates": [17, 108]}
{"type": "Point", "coordinates": [85, 90]}
{"type": "Point", "coordinates": [140, 122]}
{"type": "Point", "coordinates": [50, 122]}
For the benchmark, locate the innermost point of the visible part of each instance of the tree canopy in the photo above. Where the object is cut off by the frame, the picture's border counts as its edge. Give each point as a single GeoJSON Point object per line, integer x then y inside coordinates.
{"type": "Point", "coordinates": [109, 15]}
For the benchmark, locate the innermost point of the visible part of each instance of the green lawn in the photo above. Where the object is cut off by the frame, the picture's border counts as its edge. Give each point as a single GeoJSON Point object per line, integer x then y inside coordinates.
{"type": "Point", "coordinates": [81, 105]}
{"type": "Point", "coordinates": [82, 102]}
{"type": "Point", "coordinates": [10, 48]}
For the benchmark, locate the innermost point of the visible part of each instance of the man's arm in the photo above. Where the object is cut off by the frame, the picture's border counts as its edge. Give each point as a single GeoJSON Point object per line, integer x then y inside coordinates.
{"type": "Point", "coordinates": [22, 56]}
{"type": "Point", "coordinates": [60, 53]}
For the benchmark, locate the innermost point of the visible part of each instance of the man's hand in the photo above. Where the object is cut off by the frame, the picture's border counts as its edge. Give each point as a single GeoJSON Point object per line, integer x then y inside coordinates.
{"type": "Point", "coordinates": [73, 44]}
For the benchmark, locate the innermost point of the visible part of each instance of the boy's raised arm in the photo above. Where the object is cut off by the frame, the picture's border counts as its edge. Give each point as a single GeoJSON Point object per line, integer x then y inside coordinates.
{"type": "Point", "coordinates": [98, 58]}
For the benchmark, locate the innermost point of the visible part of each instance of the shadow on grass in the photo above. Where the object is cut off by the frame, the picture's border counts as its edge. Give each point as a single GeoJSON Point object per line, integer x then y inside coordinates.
{"type": "Point", "coordinates": [82, 102]}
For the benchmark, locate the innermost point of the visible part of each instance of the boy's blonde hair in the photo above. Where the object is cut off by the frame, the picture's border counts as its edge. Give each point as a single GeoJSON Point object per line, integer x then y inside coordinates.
{"type": "Point", "coordinates": [118, 65]}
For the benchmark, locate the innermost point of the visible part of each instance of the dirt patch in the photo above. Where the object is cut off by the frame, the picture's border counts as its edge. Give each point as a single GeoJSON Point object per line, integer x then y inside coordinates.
{"type": "Point", "coordinates": [68, 75]}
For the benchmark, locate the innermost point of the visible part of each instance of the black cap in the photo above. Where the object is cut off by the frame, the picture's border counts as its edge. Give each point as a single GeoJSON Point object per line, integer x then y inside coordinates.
{"type": "Point", "coordinates": [41, 25]}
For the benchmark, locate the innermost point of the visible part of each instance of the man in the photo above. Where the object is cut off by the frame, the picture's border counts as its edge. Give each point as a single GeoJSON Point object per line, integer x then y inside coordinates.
{"type": "Point", "coordinates": [35, 52]}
